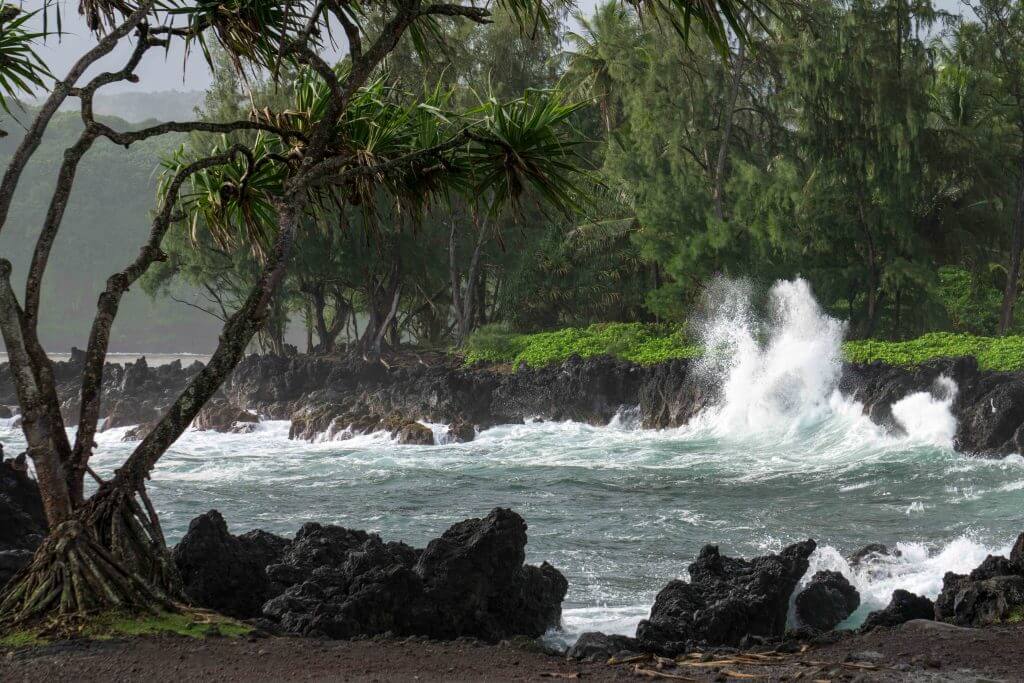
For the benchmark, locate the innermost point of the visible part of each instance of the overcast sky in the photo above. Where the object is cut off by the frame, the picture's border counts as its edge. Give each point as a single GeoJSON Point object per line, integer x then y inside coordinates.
{"type": "Point", "coordinates": [164, 71]}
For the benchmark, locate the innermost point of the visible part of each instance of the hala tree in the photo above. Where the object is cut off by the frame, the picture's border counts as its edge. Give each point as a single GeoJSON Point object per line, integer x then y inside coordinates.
{"type": "Point", "coordinates": [343, 144]}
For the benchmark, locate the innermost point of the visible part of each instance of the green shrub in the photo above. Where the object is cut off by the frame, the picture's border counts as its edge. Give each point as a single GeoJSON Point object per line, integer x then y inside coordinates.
{"type": "Point", "coordinates": [647, 344]}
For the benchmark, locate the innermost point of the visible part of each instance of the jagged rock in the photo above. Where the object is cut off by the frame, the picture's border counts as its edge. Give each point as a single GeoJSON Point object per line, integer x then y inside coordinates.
{"type": "Point", "coordinates": [461, 431]}
{"type": "Point", "coordinates": [138, 432]}
{"type": "Point", "coordinates": [5, 413]}
{"type": "Point", "coordinates": [826, 601]}
{"type": "Point", "coordinates": [22, 520]}
{"type": "Point", "coordinates": [870, 552]}
{"type": "Point", "coordinates": [726, 600]}
{"type": "Point", "coordinates": [416, 434]}
{"type": "Point", "coordinates": [127, 413]}
{"type": "Point", "coordinates": [903, 607]}
{"type": "Point", "coordinates": [991, 594]}
{"type": "Point", "coordinates": [1017, 552]}
{"type": "Point", "coordinates": [593, 646]}
{"type": "Point", "coordinates": [12, 562]}
{"type": "Point", "coordinates": [220, 416]}
{"type": "Point", "coordinates": [224, 572]}
{"type": "Point", "coordinates": [469, 582]}
{"type": "Point", "coordinates": [991, 424]}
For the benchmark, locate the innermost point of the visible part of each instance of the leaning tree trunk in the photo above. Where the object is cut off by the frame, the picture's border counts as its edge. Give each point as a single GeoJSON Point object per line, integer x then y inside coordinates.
{"type": "Point", "coordinates": [111, 552]}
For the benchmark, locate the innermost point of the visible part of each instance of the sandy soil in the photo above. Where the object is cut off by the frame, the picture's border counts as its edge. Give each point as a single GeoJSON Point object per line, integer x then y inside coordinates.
{"type": "Point", "coordinates": [915, 652]}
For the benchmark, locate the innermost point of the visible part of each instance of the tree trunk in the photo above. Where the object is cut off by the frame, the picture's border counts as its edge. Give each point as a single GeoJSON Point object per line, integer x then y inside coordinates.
{"type": "Point", "coordinates": [1013, 271]}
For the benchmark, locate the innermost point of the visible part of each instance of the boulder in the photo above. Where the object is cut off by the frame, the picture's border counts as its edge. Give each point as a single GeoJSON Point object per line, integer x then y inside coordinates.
{"type": "Point", "coordinates": [903, 607]}
{"type": "Point", "coordinates": [220, 416]}
{"type": "Point", "coordinates": [225, 572]}
{"type": "Point", "coordinates": [871, 552]}
{"type": "Point", "coordinates": [469, 582]}
{"type": "Point", "coordinates": [128, 412]}
{"type": "Point", "coordinates": [991, 594]}
{"type": "Point", "coordinates": [22, 520]}
{"type": "Point", "coordinates": [726, 601]}
{"type": "Point", "coordinates": [5, 412]}
{"type": "Point", "coordinates": [593, 646]}
{"type": "Point", "coordinates": [12, 562]}
{"type": "Point", "coordinates": [138, 432]}
{"type": "Point", "coordinates": [461, 431]}
{"type": "Point", "coordinates": [414, 433]}
{"type": "Point", "coordinates": [826, 601]}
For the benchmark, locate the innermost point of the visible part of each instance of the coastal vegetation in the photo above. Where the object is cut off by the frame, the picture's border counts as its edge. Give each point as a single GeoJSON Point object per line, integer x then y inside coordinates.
{"type": "Point", "coordinates": [648, 344]}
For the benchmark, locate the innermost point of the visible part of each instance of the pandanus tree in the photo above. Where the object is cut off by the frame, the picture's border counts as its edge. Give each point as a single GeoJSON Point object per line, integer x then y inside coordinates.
{"type": "Point", "coordinates": [345, 143]}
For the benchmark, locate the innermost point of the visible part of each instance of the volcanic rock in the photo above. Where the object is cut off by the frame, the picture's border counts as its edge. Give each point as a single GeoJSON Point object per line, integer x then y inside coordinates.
{"type": "Point", "coordinates": [224, 572]}
{"type": "Point", "coordinates": [416, 434]}
{"type": "Point", "coordinates": [461, 431]}
{"type": "Point", "coordinates": [726, 600]}
{"type": "Point", "coordinates": [469, 582]}
{"type": "Point", "coordinates": [903, 607]}
{"type": "Point", "coordinates": [220, 416]}
{"type": "Point", "coordinates": [991, 594]}
{"type": "Point", "coordinates": [22, 520]}
{"type": "Point", "coordinates": [826, 601]}
{"type": "Point", "coordinates": [129, 412]}
{"type": "Point", "coordinates": [5, 412]}
{"type": "Point", "coordinates": [599, 647]}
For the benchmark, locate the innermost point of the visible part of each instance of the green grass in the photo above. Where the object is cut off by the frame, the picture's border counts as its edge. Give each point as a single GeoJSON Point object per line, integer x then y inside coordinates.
{"type": "Point", "coordinates": [190, 624]}
{"type": "Point", "coordinates": [647, 344]}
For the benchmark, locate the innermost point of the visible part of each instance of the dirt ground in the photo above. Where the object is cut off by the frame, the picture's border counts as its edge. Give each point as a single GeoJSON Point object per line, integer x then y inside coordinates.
{"type": "Point", "coordinates": [915, 652]}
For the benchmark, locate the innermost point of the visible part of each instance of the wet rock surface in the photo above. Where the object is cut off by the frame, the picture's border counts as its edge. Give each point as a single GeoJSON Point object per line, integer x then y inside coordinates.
{"type": "Point", "coordinates": [22, 521]}
{"type": "Point", "coordinates": [221, 416]}
{"type": "Point", "coordinates": [827, 600]}
{"type": "Point", "coordinates": [341, 583]}
{"type": "Point", "coordinates": [593, 646]}
{"type": "Point", "coordinates": [991, 594]}
{"type": "Point", "coordinates": [727, 601]}
{"type": "Point", "coordinates": [340, 396]}
{"type": "Point", "coordinates": [903, 607]}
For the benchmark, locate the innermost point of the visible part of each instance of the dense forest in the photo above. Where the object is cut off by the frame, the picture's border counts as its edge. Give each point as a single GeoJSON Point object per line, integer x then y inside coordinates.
{"type": "Point", "coordinates": [873, 147]}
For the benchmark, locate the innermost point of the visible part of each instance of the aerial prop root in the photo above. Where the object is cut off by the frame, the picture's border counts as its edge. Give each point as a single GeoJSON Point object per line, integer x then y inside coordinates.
{"type": "Point", "coordinates": [109, 557]}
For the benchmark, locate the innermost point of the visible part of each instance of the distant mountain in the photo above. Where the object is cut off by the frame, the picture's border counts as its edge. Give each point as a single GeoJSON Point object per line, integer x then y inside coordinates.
{"type": "Point", "coordinates": [135, 107]}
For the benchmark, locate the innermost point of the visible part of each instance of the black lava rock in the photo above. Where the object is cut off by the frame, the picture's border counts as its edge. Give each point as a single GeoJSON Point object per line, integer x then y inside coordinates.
{"type": "Point", "coordinates": [991, 594]}
{"type": "Point", "coordinates": [593, 646]}
{"type": "Point", "coordinates": [224, 572]}
{"type": "Point", "coordinates": [469, 582]}
{"type": "Point", "coordinates": [12, 562]}
{"type": "Point", "coordinates": [826, 601]}
{"type": "Point", "coordinates": [903, 607]}
{"type": "Point", "coordinates": [726, 600]}
{"type": "Point", "coordinates": [22, 521]}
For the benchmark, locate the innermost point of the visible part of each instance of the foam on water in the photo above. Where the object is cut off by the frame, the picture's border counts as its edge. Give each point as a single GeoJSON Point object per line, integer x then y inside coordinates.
{"type": "Point", "coordinates": [622, 510]}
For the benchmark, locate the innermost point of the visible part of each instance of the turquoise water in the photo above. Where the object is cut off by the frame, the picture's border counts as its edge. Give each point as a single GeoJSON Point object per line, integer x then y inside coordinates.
{"type": "Point", "coordinates": [621, 510]}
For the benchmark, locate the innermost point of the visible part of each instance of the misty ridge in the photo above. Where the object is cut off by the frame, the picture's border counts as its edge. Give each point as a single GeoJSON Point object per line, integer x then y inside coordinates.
{"type": "Point", "coordinates": [107, 221]}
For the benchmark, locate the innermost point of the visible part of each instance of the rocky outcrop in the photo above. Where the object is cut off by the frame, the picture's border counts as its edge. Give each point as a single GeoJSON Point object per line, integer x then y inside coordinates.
{"type": "Point", "coordinates": [415, 434]}
{"type": "Point", "coordinates": [224, 572]}
{"type": "Point", "coordinates": [342, 396]}
{"type": "Point", "coordinates": [903, 607]}
{"type": "Point", "coordinates": [221, 416]}
{"type": "Point", "coordinates": [991, 594]}
{"type": "Point", "coordinates": [22, 521]}
{"type": "Point", "coordinates": [340, 583]}
{"type": "Point", "coordinates": [726, 602]}
{"type": "Point", "coordinates": [827, 600]}
{"type": "Point", "coordinates": [600, 647]}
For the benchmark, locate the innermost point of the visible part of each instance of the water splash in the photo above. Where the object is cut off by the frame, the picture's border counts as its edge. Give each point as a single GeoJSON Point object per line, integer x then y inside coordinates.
{"type": "Point", "coordinates": [778, 372]}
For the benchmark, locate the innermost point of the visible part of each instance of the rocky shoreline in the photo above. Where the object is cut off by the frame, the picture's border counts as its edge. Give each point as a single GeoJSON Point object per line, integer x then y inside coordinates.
{"type": "Point", "coordinates": [334, 397]}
